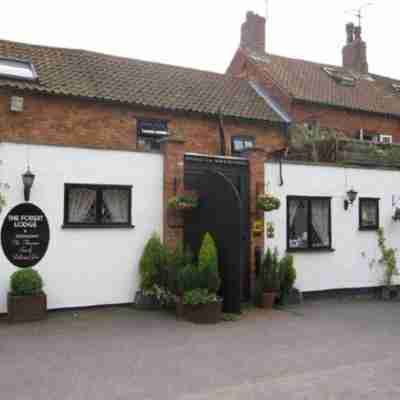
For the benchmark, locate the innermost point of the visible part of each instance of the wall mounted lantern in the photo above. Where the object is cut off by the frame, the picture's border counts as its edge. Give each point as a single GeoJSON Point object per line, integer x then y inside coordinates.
{"type": "Point", "coordinates": [351, 197]}
{"type": "Point", "coordinates": [27, 180]}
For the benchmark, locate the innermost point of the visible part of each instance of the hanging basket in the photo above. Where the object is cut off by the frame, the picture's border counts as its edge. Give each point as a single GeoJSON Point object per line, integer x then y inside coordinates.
{"type": "Point", "coordinates": [267, 202]}
{"type": "Point", "coordinates": [184, 202]}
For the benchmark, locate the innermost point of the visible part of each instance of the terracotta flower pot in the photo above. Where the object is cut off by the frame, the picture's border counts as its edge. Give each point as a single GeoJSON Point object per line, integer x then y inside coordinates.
{"type": "Point", "coordinates": [27, 308]}
{"type": "Point", "coordinates": [203, 313]}
{"type": "Point", "coordinates": [268, 299]}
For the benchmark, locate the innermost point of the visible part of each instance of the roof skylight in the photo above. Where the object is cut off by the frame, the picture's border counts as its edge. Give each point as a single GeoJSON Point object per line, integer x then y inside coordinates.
{"type": "Point", "coordinates": [396, 87]}
{"type": "Point", "coordinates": [17, 69]}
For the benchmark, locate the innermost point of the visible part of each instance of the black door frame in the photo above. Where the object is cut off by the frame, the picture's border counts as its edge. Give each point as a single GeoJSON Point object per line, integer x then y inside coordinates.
{"type": "Point", "coordinates": [236, 170]}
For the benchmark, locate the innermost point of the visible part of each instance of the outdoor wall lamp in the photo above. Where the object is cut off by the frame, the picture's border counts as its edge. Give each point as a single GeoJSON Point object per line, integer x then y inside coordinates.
{"type": "Point", "coordinates": [27, 180]}
{"type": "Point", "coordinates": [351, 197]}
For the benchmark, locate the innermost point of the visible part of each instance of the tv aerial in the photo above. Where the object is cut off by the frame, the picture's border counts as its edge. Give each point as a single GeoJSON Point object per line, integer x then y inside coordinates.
{"type": "Point", "coordinates": [359, 12]}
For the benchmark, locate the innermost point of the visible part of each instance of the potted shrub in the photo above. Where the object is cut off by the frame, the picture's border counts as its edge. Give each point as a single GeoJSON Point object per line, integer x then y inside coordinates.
{"type": "Point", "coordinates": [269, 279]}
{"type": "Point", "coordinates": [202, 306]}
{"type": "Point", "coordinates": [152, 271]}
{"type": "Point", "coordinates": [200, 284]}
{"type": "Point", "coordinates": [184, 202]}
{"type": "Point", "coordinates": [287, 278]}
{"type": "Point", "coordinates": [26, 299]}
{"type": "Point", "coordinates": [178, 259]}
{"type": "Point", "coordinates": [267, 202]}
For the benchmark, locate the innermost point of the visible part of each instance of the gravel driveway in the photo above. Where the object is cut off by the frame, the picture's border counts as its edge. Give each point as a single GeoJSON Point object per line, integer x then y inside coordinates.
{"type": "Point", "coordinates": [321, 350]}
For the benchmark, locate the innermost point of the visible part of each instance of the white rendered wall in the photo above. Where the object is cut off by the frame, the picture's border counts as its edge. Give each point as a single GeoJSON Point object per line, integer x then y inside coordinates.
{"type": "Point", "coordinates": [85, 267]}
{"type": "Point", "coordinates": [349, 265]}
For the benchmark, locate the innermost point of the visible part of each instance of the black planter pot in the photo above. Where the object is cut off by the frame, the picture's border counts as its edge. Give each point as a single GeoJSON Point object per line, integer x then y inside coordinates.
{"type": "Point", "coordinates": [145, 302]}
{"type": "Point", "coordinates": [27, 308]}
{"type": "Point", "coordinates": [203, 313]}
{"type": "Point", "coordinates": [390, 293]}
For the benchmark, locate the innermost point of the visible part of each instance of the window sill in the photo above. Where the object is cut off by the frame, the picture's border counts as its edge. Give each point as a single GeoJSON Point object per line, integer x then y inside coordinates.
{"type": "Point", "coordinates": [323, 250]}
{"type": "Point", "coordinates": [98, 226]}
{"type": "Point", "coordinates": [368, 228]}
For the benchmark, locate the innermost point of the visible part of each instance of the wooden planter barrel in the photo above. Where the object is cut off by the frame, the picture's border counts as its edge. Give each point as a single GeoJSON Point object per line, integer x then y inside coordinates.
{"type": "Point", "coordinates": [27, 308]}
{"type": "Point", "coordinates": [201, 314]}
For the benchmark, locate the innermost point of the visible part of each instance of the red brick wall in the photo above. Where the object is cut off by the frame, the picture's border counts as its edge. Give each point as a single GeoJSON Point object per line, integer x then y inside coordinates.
{"type": "Point", "coordinates": [73, 122]}
{"type": "Point", "coordinates": [345, 120]}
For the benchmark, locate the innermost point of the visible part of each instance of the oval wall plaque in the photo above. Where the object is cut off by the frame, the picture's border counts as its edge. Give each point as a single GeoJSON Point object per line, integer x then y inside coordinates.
{"type": "Point", "coordinates": [25, 235]}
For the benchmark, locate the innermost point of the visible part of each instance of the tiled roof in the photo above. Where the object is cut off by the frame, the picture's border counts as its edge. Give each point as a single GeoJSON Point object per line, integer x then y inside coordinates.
{"type": "Point", "coordinates": [308, 81]}
{"type": "Point", "coordinates": [103, 77]}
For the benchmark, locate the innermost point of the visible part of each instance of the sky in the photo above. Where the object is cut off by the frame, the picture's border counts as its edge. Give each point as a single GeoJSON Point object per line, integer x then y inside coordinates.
{"type": "Point", "coordinates": [204, 34]}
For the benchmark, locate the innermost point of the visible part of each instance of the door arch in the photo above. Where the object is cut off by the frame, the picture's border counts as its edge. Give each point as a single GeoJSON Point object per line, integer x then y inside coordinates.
{"type": "Point", "coordinates": [219, 213]}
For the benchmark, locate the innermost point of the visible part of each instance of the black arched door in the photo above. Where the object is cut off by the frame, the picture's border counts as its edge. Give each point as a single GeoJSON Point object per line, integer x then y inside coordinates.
{"type": "Point", "coordinates": [220, 214]}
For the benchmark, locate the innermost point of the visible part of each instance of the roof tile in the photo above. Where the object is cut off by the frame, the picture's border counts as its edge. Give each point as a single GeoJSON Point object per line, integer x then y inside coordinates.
{"type": "Point", "coordinates": [98, 76]}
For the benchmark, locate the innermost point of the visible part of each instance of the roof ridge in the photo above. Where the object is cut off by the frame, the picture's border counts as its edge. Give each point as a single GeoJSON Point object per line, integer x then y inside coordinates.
{"type": "Point", "coordinates": [118, 57]}
{"type": "Point", "coordinates": [322, 65]}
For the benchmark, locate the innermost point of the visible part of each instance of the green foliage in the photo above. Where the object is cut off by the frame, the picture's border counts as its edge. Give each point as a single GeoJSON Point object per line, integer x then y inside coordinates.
{"type": "Point", "coordinates": [205, 275]}
{"type": "Point", "coordinates": [208, 256]}
{"type": "Point", "coordinates": [388, 258]}
{"type": "Point", "coordinates": [26, 282]}
{"type": "Point", "coordinates": [208, 264]}
{"type": "Point", "coordinates": [267, 202]}
{"type": "Point", "coordinates": [188, 279]}
{"type": "Point", "coordinates": [313, 142]}
{"type": "Point", "coordinates": [177, 260]}
{"type": "Point", "coordinates": [199, 296]}
{"type": "Point", "coordinates": [287, 277]}
{"type": "Point", "coordinates": [184, 201]}
{"type": "Point", "coordinates": [153, 262]}
{"type": "Point", "coordinates": [227, 317]}
{"type": "Point", "coordinates": [269, 279]}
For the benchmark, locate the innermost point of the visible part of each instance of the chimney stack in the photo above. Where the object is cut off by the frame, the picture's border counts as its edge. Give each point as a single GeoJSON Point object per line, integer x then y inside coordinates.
{"type": "Point", "coordinates": [355, 51]}
{"type": "Point", "coordinates": [253, 32]}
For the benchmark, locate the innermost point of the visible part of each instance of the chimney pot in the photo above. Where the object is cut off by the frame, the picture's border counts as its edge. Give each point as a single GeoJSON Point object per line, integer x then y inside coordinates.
{"type": "Point", "coordinates": [355, 51]}
{"type": "Point", "coordinates": [253, 32]}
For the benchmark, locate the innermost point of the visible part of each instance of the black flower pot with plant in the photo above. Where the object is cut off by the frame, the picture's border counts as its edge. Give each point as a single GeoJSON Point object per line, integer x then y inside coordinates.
{"type": "Point", "coordinates": [26, 301]}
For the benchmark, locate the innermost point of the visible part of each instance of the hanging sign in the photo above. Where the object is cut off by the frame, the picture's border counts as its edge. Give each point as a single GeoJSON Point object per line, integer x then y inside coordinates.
{"type": "Point", "coordinates": [25, 235]}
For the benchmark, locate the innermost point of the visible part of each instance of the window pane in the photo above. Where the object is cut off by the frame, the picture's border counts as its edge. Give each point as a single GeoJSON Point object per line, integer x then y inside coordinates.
{"type": "Point", "coordinates": [238, 145]}
{"type": "Point", "coordinates": [298, 223]}
{"type": "Point", "coordinates": [81, 205]}
{"type": "Point", "coordinates": [152, 127]}
{"type": "Point", "coordinates": [17, 69]}
{"type": "Point", "coordinates": [115, 207]}
{"type": "Point", "coordinates": [369, 214]}
{"type": "Point", "coordinates": [248, 144]}
{"type": "Point", "coordinates": [320, 223]}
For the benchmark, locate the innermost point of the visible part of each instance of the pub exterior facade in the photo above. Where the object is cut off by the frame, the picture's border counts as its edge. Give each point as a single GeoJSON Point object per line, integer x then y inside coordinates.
{"type": "Point", "coordinates": [110, 141]}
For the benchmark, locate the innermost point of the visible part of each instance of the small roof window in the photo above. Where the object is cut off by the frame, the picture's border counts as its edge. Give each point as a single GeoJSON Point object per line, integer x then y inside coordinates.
{"type": "Point", "coordinates": [17, 69]}
{"type": "Point", "coordinates": [396, 87]}
{"type": "Point", "coordinates": [340, 77]}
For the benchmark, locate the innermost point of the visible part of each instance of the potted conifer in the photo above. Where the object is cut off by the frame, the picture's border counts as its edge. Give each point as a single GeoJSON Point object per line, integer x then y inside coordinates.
{"type": "Point", "coordinates": [269, 279]}
{"type": "Point", "coordinates": [26, 299]}
{"type": "Point", "coordinates": [200, 284]}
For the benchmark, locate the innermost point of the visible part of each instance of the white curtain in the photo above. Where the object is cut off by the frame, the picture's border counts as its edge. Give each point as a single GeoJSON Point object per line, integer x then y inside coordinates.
{"type": "Point", "coordinates": [293, 206]}
{"type": "Point", "coordinates": [117, 202]}
{"type": "Point", "coordinates": [320, 221]}
{"type": "Point", "coordinates": [80, 202]}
